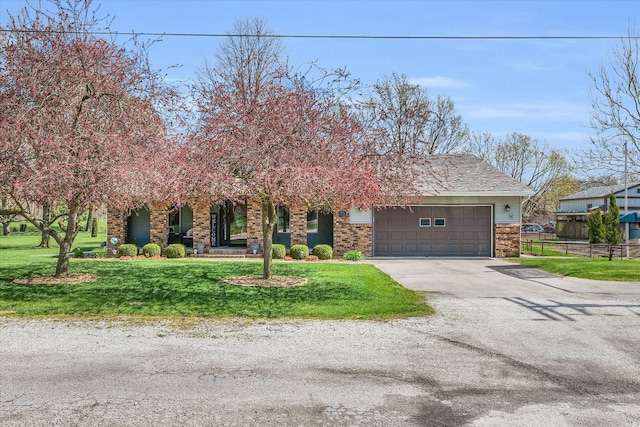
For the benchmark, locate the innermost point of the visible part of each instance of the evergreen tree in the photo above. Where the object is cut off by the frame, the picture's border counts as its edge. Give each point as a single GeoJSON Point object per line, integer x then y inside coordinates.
{"type": "Point", "coordinates": [612, 236]}
{"type": "Point", "coordinates": [596, 226]}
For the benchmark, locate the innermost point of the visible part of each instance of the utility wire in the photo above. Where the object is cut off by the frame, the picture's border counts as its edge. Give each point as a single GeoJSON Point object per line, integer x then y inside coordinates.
{"type": "Point", "coordinates": [329, 36]}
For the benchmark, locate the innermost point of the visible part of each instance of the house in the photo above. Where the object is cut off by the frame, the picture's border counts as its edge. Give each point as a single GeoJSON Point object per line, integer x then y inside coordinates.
{"type": "Point", "coordinates": [470, 210]}
{"type": "Point", "coordinates": [571, 217]}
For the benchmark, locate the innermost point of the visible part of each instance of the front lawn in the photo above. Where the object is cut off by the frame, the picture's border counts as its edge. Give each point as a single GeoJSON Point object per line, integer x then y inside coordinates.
{"type": "Point", "coordinates": [194, 287]}
{"type": "Point", "coordinates": [587, 268]}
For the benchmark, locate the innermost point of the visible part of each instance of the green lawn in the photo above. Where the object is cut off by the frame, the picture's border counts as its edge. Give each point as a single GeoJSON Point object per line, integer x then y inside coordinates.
{"type": "Point", "coordinates": [587, 268]}
{"type": "Point", "coordinates": [194, 288]}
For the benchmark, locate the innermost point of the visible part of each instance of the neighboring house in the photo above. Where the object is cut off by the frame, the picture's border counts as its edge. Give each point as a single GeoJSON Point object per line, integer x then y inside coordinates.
{"type": "Point", "coordinates": [475, 211]}
{"type": "Point", "coordinates": [571, 217]}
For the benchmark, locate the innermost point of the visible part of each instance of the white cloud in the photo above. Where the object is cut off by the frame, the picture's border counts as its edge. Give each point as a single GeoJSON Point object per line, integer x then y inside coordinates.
{"type": "Point", "coordinates": [553, 111]}
{"type": "Point", "coordinates": [437, 81]}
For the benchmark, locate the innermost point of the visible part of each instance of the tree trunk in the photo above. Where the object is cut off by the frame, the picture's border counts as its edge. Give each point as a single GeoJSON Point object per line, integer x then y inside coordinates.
{"type": "Point", "coordinates": [89, 226]}
{"type": "Point", "coordinates": [45, 238]}
{"type": "Point", "coordinates": [5, 228]}
{"type": "Point", "coordinates": [268, 224]}
{"type": "Point", "coordinates": [62, 267]}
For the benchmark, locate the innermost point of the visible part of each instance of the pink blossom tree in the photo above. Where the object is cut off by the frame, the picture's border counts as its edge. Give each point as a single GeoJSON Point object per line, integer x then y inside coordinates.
{"type": "Point", "coordinates": [288, 147]}
{"type": "Point", "coordinates": [81, 120]}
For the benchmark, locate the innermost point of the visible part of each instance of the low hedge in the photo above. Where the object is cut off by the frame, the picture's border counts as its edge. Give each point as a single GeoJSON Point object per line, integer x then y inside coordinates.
{"type": "Point", "coordinates": [176, 250]}
{"type": "Point", "coordinates": [128, 249]}
{"type": "Point", "coordinates": [278, 251]}
{"type": "Point", "coordinates": [323, 251]}
{"type": "Point", "coordinates": [151, 249]}
{"type": "Point", "coordinates": [299, 251]}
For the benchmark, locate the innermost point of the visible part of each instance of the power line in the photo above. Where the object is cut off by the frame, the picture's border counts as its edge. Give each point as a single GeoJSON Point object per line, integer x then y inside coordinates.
{"type": "Point", "coordinates": [329, 36]}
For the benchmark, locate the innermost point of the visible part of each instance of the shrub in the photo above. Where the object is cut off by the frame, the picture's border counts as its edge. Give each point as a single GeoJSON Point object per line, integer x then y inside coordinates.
{"type": "Point", "coordinates": [128, 249]}
{"type": "Point", "coordinates": [312, 258]}
{"type": "Point", "coordinates": [278, 251]}
{"type": "Point", "coordinates": [299, 251]}
{"type": "Point", "coordinates": [353, 255]}
{"type": "Point", "coordinates": [94, 227]}
{"type": "Point", "coordinates": [151, 249]}
{"type": "Point", "coordinates": [323, 251]}
{"type": "Point", "coordinates": [99, 253]}
{"type": "Point", "coordinates": [176, 250]}
{"type": "Point", "coordinates": [78, 253]}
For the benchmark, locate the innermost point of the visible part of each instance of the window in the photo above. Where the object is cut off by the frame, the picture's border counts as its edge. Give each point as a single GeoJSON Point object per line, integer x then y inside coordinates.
{"type": "Point", "coordinates": [312, 222]}
{"type": "Point", "coordinates": [425, 222]}
{"type": "Point", "coordinates": [284, 222]}
{"type": "Point", "coordinates": [438, 222]}
{"type": "Point", "coordinates": [589, 206]}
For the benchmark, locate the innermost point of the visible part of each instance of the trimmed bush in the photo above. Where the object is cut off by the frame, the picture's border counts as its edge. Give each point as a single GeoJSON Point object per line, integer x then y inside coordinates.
{"type": "Point", "coordinates": [151, 249]}
{"type": "Point", "coordinates": [176, 250]}
{"type": "Point", "coordinates": [278, 251]}
{"type": "Point", "coordinates": [128, 249]}
{"type": "Point", "coordinates": [353, 255]}
{"type": "Point", "coordinates": [323, 251]}
{"type": "Point", "coordinates": [299, 251]}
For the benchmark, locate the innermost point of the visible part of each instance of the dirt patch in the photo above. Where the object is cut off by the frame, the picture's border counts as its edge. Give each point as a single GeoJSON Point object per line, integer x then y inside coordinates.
{"type": "Point", "coordinates": [274, 282]}
{"type": "Point", "coordinates": [51, 280]}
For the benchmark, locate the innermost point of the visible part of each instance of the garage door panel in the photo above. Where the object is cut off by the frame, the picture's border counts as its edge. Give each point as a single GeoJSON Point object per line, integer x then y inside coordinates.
{"type": "Point", "coordinates": [467, 231]}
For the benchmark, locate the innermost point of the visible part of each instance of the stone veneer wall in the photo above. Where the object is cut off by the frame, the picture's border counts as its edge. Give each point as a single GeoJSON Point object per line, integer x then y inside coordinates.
{"type": "Point", "coordinates": [507, 240]}
{"type": "Point", "coordinates": [348, 236]}
{"type": "Point", "coordinates": [116, 227]}
{"type": "Point", "coordinates": [201, 225]}
{"type": "Point", "coordinates": [298, 222]}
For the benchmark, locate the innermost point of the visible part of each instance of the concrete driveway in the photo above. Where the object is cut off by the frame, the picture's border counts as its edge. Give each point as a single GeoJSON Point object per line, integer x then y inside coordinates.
{"type": "Point", "coordinates": [509, 345]}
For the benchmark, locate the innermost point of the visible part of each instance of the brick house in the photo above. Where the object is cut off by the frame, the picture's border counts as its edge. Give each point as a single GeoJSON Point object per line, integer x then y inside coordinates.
{"type": "Point", "coordinates": [474, 212]}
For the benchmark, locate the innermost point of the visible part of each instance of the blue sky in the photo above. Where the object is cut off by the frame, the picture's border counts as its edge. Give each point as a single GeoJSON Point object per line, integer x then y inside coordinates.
{"type": "Point", "coordinates": [536, 87]}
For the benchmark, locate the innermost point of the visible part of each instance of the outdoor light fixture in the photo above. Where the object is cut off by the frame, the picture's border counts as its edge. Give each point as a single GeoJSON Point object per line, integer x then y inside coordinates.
{"type": "Point", "coordinates": [507, 208]}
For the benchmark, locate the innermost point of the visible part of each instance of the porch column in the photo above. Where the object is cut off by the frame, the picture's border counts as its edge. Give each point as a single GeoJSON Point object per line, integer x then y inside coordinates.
{"type": "Point", "coordinates": [116, 227]}
{"type": "Point", "coordinates": [201, 225]}
{"type": "Point", "coordinates": [158, 220]}
{"type": "Point", "coordinates": [298, 219]}
{"type": "Point", "coordinates": [254, 224]}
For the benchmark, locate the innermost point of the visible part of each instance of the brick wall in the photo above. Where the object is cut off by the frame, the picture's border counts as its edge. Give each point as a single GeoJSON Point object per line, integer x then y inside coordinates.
{"type": "Point", "coordinates": [159, 228]}
{"type": "Point", "coordinates": [254, 223]}
{"type": "Point", "coordinates": [351, 236]}
{"type": "Point", "coordinates": [507, 240]}
{"type": "Point", "coordinates": [298, 219]}
{"type": "Point", "coordinates": [116, 227]}
{"type": "Point", "coordinates": [201, 225]}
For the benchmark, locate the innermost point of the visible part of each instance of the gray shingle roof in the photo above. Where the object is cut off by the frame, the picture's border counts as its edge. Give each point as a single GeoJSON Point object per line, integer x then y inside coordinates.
{"type": "Point", "coordinates": [596, 192]}
{"type": "Point", "coordinates": [464, 174]}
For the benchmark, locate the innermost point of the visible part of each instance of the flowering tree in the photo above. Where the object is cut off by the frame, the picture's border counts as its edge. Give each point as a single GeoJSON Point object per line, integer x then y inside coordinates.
{"type": "Point", "coordinates": [285, 147]}
{"type": "Point", "coordinates": [79, 124]}
{"type": "Point", "coordinates": [284, 138]}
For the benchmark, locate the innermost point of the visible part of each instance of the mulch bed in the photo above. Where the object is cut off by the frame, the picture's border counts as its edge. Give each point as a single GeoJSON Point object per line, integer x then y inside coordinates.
{"type": "Point", "coordinates": [274, 282]}
{"type": "Point", "coordinates": [51, 280]}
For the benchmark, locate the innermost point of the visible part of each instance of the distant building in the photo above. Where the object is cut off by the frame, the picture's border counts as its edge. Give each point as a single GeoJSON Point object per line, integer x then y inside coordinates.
{"type": "Point", "coordinates": [571, 217]}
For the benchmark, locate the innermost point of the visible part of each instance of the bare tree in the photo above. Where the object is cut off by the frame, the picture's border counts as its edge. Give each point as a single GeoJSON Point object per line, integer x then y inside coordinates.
{"type": "Point", "coordinates": [248, 58]}
{"type": "Point", "coordinates": [525, 159]}
{"type": "Point", "coordinates": [615, 99]}
{"type": "Point", "coordinates": [407, 120]}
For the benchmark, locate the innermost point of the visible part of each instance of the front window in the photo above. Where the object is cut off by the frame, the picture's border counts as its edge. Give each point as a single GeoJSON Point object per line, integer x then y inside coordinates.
{"type": "Point", "coordinates": [312, 222]}
{"type": "Point", "coordinates": [284, 223]}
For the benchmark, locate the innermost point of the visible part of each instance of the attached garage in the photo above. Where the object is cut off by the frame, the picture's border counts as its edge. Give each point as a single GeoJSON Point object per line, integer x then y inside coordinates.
{"type": "Point", "coordinates": [434, 231]}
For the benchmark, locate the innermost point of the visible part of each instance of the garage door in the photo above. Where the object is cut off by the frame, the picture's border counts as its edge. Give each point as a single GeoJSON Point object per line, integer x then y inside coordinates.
{"type": "Point", "coordinates": [433, 231]}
